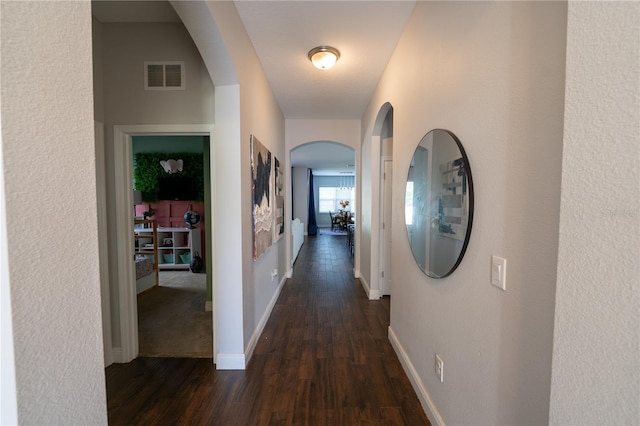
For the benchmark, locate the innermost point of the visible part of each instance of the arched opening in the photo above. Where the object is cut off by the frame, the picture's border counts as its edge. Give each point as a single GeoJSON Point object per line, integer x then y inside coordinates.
{"type": "Point", "coordinates": [386, 193]}
{"type": "Point", "coordinates": [331, 167]}
{"type": "Point", "coordinates": [225, 256]}
{"type": "Point", "coordinates": [379, 248]}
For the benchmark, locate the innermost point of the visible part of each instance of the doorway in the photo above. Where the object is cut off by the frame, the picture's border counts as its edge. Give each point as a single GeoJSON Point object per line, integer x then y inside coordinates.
{"type": "Point", "coordinates": [127, 297]}
{"type": "Point", "coordinates": [385, 216]}
{"type": "Point", "coordinates": [172, 317]}
{"type": "Point", "coordinates": [386, 196]}
{"type": "Point", "coordinates": [332, 167]}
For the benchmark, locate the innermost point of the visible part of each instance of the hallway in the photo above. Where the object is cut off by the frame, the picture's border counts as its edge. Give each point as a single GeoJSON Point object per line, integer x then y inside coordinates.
{"type": "Point", "coordinates": [323, 359]}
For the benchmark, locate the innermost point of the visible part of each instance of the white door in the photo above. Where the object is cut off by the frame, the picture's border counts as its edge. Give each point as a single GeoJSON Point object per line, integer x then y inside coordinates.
{"type": "Point", "coordinates": [385, 259]}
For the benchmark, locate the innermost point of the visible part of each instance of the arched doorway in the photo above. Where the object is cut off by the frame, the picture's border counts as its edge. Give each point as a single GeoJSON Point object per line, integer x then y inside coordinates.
{"type": "Point", "coordinates": [379, 201]}
{"type": "Point", "coordinates": [333, 166]}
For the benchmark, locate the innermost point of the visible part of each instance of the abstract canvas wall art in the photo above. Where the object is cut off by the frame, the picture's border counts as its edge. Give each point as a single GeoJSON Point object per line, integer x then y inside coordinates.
{"type": "Point", "coordinates": [263, 216]}
{"type": "Point", "coordinates": [278, 198]}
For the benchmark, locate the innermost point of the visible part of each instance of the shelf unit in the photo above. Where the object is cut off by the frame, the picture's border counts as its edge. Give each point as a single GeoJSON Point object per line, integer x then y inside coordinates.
{"type": "Point", "coordinates": [147, 242]}
{"type": "Point", "coordinates": [176, 246]}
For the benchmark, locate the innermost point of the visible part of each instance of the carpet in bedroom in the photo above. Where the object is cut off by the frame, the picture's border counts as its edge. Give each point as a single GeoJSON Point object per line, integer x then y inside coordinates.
{"type": "Point", "coordinates": [172, 321]}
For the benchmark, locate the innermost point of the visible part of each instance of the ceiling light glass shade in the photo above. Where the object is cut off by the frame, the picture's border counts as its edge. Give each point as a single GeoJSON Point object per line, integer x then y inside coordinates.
{"type": "Point", "coordinates": [324, 57]}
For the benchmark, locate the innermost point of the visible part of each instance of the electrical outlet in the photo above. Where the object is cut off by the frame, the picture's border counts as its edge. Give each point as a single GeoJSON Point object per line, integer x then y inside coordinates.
{"type": "Point", "coordinates": [439, 368]}
{"type": "Point", "coordinates": [274, 274]}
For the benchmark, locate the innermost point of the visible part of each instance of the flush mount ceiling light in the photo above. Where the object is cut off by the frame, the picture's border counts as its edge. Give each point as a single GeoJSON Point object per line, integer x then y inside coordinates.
{"type": "Point", "coordinates": [324, 57]}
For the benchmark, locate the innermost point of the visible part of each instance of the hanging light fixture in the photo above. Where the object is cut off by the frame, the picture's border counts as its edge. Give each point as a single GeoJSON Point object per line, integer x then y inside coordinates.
{"type": "Point", "coordinates": [323, 57]}
{"type": "Point", "coordinates": [347, 180]}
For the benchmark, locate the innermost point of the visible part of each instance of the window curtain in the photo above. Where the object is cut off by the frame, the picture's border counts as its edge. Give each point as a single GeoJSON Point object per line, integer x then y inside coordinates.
{"type": "Point", "coordinates": [312, 228]}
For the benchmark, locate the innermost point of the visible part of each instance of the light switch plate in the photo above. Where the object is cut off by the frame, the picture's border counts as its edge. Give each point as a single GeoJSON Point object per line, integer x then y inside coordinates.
{"type": "Point", "coordinates": [439, 366]}
{"type": "Point", "coordinates": [499, 272]}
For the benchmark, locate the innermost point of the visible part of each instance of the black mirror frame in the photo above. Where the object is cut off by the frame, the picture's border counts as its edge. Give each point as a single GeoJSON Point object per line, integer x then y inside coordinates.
{"type": "Point", "coordinates": [470, 189]}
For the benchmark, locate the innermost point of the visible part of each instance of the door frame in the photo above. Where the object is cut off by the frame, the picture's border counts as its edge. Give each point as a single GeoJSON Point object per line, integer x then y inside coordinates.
{"type": "Point", "coordinates": [103, 246]}
{"type": "Point", "coordinates": [386, 193]}
{"type": "Point", "coordinates": [123, 165]}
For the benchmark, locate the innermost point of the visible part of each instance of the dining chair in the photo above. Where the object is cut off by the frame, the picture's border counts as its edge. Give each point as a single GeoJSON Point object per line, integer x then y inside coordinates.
{"type": "Point", "coordinates": [335, 221]}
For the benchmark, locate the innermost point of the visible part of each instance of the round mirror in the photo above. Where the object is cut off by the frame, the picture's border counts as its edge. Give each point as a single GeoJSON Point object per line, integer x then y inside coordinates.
{"type": "Point", "coordinates": [438, 207]}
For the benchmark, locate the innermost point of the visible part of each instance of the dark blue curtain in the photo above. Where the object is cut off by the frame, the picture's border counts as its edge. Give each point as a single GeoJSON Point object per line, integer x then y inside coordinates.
{"type": "Point", "coordinates": [312, 228]}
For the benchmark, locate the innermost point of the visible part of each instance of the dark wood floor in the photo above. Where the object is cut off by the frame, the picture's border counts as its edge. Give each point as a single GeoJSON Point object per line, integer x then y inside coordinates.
{"type": "Point", "coordinates": [323, 359]}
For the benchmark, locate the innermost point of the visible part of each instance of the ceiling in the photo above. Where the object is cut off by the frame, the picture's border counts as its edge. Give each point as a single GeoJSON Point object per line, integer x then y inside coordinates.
{"type": "Point", "coordinates": [282, 33]}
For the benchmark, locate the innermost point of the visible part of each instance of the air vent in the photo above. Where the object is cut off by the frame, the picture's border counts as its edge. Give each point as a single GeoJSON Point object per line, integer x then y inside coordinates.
{"type": "Point", "coordinates": [164, 75]}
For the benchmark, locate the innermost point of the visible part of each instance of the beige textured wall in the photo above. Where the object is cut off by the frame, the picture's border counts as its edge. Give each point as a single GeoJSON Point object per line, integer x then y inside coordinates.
{"type": "Point", "coordinates": [120, 50]}
{"type": "Point", "coordinates": [596, 356]}
{"type": "Point", "coordinates": [49, 173]}
{"type": "Point", "coordinates": [493, 74]}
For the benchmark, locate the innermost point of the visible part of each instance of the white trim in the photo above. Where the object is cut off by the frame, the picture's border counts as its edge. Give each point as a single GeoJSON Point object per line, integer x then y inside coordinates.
{"type": "Point", "coordinates": [230, 362]}
{"type": "Point", "coordinates": [251, 345]}
{"type": "Point", "coordinates": [375, 181]}
{"type": "Point", "coordinates": [116, 355]}
{"type": "Point", "coordinates": [358, 212]}
{"type": "Point", "coordinates": [123, 159]}
{"type": "Point", "coordinates": [371, 294]}
{"type": "Point", "coordinates": [375, 239]}
{"type": "Point", "coordinates": [8, 388]}
{"type": "Point", "coordinates": [425, 399]}
{"type": "Point", "coordinates": [365, 285]}
{"type": "Point", "coordinates": [387, 221]}
{"type": "Point", "coordinates": [103, 248]}
{"type": "Point", "coordinates": [375, 295]}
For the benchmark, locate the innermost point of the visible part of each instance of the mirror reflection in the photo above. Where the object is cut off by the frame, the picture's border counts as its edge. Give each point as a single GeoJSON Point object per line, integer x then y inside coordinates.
{"type": "Point", "coordinates": [439, 203]}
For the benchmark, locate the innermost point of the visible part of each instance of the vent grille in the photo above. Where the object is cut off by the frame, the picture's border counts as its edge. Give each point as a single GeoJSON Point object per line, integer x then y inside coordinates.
{"type": "Point", "coordinates": [164, 75]}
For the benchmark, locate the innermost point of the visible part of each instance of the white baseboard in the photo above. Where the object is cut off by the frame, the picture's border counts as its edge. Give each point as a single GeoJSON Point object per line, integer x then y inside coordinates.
{"type": "Point", "coordinates": [230, 362]}
{"type": "Point", "coordinates": [208, 306]}
{"type": "Point", "coordinates": [371, 294]}
{"type": "Point", "coordinates": [425, 400]}
{"type": "Point", "coordinates": [116, 355]}
{"type": "Point", "coordinates": [356, 273]}
{"type": "Point", "coordinates": [251, 345]}
{"type": "Point", "coordinates": [365, 285]}
{"type": "Point", "coordinates": [108, 356]}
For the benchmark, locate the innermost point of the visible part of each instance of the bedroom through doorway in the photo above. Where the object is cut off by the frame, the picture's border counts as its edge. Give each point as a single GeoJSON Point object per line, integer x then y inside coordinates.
{"type": "Point", "coordinates": [171, 175]}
